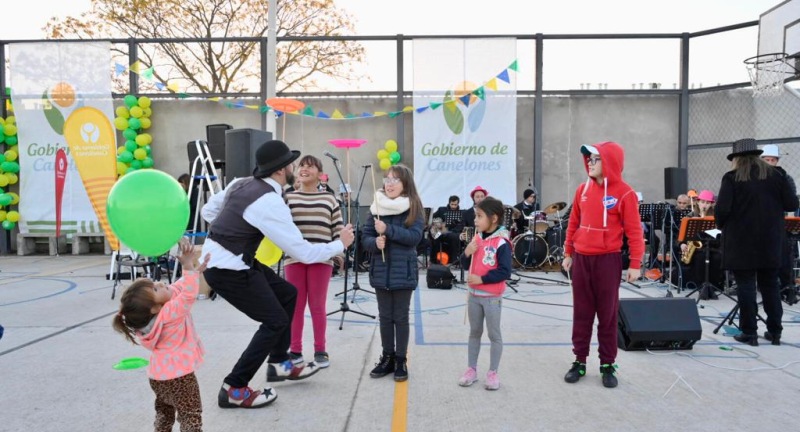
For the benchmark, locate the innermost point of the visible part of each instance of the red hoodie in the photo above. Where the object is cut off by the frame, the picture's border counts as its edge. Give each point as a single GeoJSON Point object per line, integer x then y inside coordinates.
{"type": "Point", "coordinates": [601, 213]}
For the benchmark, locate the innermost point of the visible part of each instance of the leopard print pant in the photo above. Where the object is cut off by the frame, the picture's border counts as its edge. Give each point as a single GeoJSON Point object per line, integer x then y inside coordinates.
{"type": "Point", "coordinates": [181, 395]}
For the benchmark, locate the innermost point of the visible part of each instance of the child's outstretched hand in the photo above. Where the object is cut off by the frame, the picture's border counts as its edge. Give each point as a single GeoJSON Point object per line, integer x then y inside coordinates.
{"type": "Point", "coordinates": [187, 258]}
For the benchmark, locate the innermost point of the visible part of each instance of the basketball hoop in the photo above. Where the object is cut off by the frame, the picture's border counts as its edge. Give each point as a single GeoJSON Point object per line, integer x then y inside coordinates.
{"type": "Point", "coordinates": [768, 72]}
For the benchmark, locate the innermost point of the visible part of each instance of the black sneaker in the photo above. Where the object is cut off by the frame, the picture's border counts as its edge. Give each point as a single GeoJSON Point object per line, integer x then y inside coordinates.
{"type": "Point", "coordinates": [748, 339]}
{"type": "Point", "coordinates": [774, 338]}
{"type": "Point", "coordinates": [609, 372]}
{"type": "Point", "coordinates": [401, 369]}
{"type": "Point", "coordinates": [576, 372]}
{"type": "Point", "coordinates": [385, 366]}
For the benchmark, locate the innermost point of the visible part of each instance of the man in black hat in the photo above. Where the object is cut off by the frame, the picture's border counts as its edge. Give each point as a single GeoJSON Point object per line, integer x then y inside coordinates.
{"type": "Point", "coordinates": [752, 200]}
{"type": "Point", "coordinates": [241, 216]}
{"type": "Point", "coordinates": [528, 205]}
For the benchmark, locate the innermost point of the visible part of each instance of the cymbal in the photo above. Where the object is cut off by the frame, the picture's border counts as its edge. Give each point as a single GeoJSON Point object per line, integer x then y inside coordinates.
{"type": "Point", "coordinates": [555, 207]}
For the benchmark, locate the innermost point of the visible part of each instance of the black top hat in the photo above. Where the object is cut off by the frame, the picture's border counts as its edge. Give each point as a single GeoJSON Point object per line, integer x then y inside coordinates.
{"type": "Point", "coordinates": [744, 147]}
{"type": "Point", "coordinates": [272, 156]}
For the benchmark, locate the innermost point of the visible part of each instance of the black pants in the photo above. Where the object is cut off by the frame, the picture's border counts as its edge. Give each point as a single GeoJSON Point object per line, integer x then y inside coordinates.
{"type": "Point", "coordinates": [264, 297]}
{"type": "Point", "coordinates": [393, 307]}
{"type": "Point", "coordinates": [447, 242]}
{"type": "Point", "coordinates": [786, 272]}
{"type": "Point", "coordinates": [748, 306]}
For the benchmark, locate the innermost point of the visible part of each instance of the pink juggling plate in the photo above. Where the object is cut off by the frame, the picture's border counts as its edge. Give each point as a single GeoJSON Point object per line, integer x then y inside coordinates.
{"type": "Point", "coordinates": [347, 142]}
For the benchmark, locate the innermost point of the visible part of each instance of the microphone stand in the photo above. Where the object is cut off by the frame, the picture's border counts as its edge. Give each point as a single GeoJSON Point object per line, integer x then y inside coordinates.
{"type": "Point", "coordinates": [356, 287]}
{"type": "Point", "coordinates": [343, 307]}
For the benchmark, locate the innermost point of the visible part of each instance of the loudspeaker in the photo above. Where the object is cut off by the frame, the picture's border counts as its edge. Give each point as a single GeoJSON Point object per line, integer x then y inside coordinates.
{"type": "Point", "coordinates": [240, 151]}
{"type": "Point", "coordinates": [676, 182]}
{"type": "Point", "coordinates": [439, 277]}
{"type": "Point", "coordinates": [658, 324]}
{"type": "Point", "coordinates": [215, 137]}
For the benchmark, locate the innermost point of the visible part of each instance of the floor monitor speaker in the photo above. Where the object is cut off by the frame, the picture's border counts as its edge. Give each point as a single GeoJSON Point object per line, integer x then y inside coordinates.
{"type": "Point", "coordinates": [240, 151]}
{"type": "Point", "coordinates": [215, 137]}
{"type": "Point", "coordinates": [676, 182]}
{"type": "Point", "coordinates": [667, 323]}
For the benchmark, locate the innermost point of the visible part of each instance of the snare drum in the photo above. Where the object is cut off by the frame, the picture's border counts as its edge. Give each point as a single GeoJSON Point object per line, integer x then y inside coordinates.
{"type": "Point", "coordinates": [540, 224]}
{"type": "Point", "coordinates": [530, 251]}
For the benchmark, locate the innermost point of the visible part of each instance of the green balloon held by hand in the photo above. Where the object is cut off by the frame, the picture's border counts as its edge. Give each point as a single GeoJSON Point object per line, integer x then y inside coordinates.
{"type": "Point", "coordinates": [148, 210]}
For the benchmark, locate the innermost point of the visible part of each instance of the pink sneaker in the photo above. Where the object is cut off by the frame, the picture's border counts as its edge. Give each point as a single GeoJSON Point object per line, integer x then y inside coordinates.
{"type": "Point", "coordinates": [492, 380]}
{"type": "Point", "coordinates": [469, 378]}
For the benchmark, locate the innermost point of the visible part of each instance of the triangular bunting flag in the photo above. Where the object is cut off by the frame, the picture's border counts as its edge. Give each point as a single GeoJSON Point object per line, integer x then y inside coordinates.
{"type": "Point", "coordinates": [119, 69]}
{"type": "Point", "coordinates": [513, 66]}
{"type": "Point", "coordinates": [183, 95]}
{"type": "Point", "coordinates": [422, 109]}
{"type": "Point", "coordinates": [238, 104]}
{"type": "Point", "coordinates": [147, 73]}
{"type": "Point", "coordinates": [136, 66]}
{"type": "Point", "coordinates": [465, 99]}
{"type": "Point", "coordinates": [160, 86]}
{"type": "Point", "coordinates": [504, 76]}
{"type": "Point", "coordinates": [395, 114]}
{"type": "Point", "coordinates": [492, 84]}
{"type": "Point", "coordinates": [322, 114]}
{"type": "Point", "coordinates": [214, 99]}
{"type": "Point", "coordinates": [479, 93]}
{"type": "Point", "coordinates": [366, 114]}
{"type": "Point", "coordinates": [336, 114]}
{"type": "Point", "coordinates": [173, 87]}
{"type": "Point", "coordinates": [308, 111]}
{"type": "Point", "coordinates": [380, 113]}
{"type": "Point", "coordinates": [408, 108]}
{"type": "Point", "coordinates": [350, 116]}
{"type": "Point", "coordinates": [263, 108]}
{"type": "Point", "coordinates": [278, 114]}
{"type": "Point", "coordinates": [252, 107]}
{"type": "Point", "coordinates": [435, 105]}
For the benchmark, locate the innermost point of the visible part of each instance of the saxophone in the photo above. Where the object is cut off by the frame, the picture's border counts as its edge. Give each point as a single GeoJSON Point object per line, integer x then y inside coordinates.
{"type": "Point", "coordinates": [692, 246]}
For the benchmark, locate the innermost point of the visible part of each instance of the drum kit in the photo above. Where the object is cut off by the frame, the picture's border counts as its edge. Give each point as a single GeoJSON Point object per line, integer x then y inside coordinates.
{"type": "Point", "coordinates": [543, 241]}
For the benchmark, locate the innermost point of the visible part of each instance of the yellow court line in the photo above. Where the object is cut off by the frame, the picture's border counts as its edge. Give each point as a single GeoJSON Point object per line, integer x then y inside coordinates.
{"type": "Point", "coordinates": [400, 412]}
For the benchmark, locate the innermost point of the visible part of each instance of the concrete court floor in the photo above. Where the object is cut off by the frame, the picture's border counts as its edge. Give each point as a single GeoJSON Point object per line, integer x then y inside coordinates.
{"type": "Point", "coordinates": [58, 350]}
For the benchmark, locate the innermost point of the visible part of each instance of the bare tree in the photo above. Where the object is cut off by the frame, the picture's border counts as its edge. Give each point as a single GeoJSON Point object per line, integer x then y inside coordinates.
{"type": "Point", "coordinates": [223, 67]}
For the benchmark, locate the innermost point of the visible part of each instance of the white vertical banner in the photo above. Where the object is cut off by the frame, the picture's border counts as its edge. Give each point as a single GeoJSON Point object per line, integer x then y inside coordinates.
{"type": "Point", "coordinates": [466, 136]}
{"type": "Point", "coordinates": [49, 82]}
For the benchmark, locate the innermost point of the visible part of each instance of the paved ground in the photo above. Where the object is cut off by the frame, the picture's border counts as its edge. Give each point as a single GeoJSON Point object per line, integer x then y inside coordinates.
{"type": "Point", "coordinates": [59, 348]}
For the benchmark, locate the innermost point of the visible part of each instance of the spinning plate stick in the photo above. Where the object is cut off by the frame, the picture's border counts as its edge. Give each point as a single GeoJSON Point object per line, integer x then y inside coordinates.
{"type": "Point", "coordinates": [377, 206]}
{"type": "Point", "coordinates": [347, 144]}
{"type": "Point", "coordinates": [285, 106]}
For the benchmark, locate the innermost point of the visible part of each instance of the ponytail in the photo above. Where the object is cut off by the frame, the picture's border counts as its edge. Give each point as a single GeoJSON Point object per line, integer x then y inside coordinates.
{"type": "Point", "coordinates": [134, 310]}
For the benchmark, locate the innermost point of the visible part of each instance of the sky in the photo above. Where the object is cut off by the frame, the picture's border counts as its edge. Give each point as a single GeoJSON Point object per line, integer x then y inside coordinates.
{"type": "Point", "coordinates": [622, 64]}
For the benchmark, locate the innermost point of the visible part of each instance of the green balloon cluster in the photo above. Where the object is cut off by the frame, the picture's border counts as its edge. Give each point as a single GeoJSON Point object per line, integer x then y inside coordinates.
{"type": "Point", "coordinates": [133, 118]}
{"type": "Point", "coordinates": [388, 155]}
{"type": "Point", "coordinates": [9, 168]}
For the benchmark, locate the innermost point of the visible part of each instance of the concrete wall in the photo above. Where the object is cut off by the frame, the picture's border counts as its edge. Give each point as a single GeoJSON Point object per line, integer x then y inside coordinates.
{"type": "Point", "coordinates": [647, 126]}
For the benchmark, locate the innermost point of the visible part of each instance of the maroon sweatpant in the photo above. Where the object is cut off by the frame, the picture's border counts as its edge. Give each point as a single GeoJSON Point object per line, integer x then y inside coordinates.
{"type": "Point", "coordinates": [595, 291]}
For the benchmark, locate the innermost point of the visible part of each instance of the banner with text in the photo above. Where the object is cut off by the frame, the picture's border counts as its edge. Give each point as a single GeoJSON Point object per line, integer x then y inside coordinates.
{"type": "Point", "coordinates": [470, 138]}
{"type": "Point", "coordinates": [60, 87]}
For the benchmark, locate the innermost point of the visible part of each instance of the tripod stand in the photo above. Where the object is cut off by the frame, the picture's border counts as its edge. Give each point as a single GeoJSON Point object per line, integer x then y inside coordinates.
{"type": "Point", "coordinates": [691, 229]}
{"type": "Point", "coordinates": [343, 306]}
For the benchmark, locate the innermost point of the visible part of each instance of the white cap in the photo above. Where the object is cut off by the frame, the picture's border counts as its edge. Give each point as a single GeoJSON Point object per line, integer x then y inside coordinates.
{"type": "Point", "coordinates": [771, 150]}
{"type": "Point", "coordinates": [639, 195]}
{"type": "Point", "coordinates": [589, 149]}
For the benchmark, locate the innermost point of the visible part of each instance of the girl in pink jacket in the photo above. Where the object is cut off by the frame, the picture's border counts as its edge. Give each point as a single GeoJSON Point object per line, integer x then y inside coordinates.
{"type": "Point", "coordinates": [159, 316]}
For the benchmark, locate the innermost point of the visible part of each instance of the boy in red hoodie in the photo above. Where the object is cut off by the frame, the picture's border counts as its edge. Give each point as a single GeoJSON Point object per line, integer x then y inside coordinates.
{"type": "Point", "coordinates": [604, 208]}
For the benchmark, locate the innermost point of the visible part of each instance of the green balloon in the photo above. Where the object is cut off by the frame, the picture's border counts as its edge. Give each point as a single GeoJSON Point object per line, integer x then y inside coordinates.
{"type": "Point", "coordinates": [136, 164]}
{"type": "Point", "coordinates": [9, 167]}
{"type": "Point", "coordinates": [5, 199]}
{"type": "Point", "coordinates": [11, 140]}
{"type": "Point", "coordinates": [130, 100]}
{"type": "Point", "coordinates": [2, 158]}
{"type": "Point", "coordinates": [8, 225]}
{"type": "Point", "coordinates": [134, 123]}
{"type": "Point", "coordinates": [147, 149]}
{"type": "Point", "coordinates": [129, 134]}
{"type": "Point", "coordinates": [148, 210]}
{"type": "Point", "coordinates": [125, 157]}
{"type": "Point", "coordinates": [394, 157]}
{"type": "Point", "coordinates": [147, 162]}
{"type": "Point", "coordinates": [131, 146]}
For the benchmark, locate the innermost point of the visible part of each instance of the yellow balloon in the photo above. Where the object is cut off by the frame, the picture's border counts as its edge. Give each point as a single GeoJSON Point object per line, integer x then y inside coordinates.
{"type": "Point", "coordinates": [136, 112]}
{"type": "Point", "coordinates": [3, 180]}
{"type": "Point", "coordinates": [10, 129]}
{"type": "Point", "coordinates": [147, 112]}
{"type": "Point", "coordinates": [121, 168]}
{"type": "Point", "coordinates": [385, 164]}
{"type": "Point", "coordinates": [2, 215]}
{"type": "Point", "coordinates": [122, 111]}
{"type": "Point", "coordinates": [10, 155]}
{"type": "Point", "coordinates": [383, 154]}
{"type": "Point", "coordinates": [121, 123]}
{"type": "Point", "coordinates": [14, 198]}
{"type": "Point", "coordinates": [268, 253]}
{"type": "Point", "coordinates": [391, 146]}
{"type": "Point", "coordinates": [145, 122]}
{"type": "Point", "coordinates": [144, 102]}
{"type": "Point", "coordinates": [140, 153]}
{"type": "Point", "coordinates": [13, 216]}
{"type": "Point", "coordinates": [12, 178]}
{"type": "Point", "coordinates": [11, 120]}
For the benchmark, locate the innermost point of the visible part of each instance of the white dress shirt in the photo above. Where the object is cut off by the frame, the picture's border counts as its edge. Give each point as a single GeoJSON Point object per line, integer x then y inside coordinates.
{"type": "Point", "coordinates": [270, 215]}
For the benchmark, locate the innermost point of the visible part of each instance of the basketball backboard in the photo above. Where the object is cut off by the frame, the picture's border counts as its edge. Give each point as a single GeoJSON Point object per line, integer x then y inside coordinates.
{"type": "Point", "coordinates": [779, 29]}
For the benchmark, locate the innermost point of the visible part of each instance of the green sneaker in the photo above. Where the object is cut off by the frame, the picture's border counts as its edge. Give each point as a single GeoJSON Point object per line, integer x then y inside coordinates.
{"type": "Point", "coordinates": [609, 372]}
{"type": "Point", "coordinates": [576, 372]}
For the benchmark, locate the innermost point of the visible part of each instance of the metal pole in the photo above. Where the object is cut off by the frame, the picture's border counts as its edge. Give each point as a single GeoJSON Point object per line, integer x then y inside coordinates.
{"type": "Point", "coordinates": [271, 62]}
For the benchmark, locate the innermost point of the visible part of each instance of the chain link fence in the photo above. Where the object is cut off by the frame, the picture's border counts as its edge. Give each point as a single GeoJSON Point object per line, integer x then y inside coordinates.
{"type": "Point", "coordinates": [718, 118]}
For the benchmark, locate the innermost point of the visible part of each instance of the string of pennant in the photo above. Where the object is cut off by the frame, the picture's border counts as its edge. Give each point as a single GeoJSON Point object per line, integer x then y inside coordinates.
{"type": "Point", "coordinates": [148, 74]}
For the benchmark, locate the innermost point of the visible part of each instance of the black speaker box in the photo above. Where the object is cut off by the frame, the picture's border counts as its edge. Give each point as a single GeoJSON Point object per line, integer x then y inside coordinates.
{"type": "Point", "coordinates": [676, 182]}
{"type": "Point", "coordinates": [658, 324]}
{"type": "Point", "coordinates": [240, 151]}
{"type": "Point", "coordinates": [439, 277]}
{"type": "Point", "coordinates": [215, 136]}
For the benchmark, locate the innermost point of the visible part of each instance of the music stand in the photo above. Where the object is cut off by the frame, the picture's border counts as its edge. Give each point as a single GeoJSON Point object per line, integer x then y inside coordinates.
{"type": "Point", "coordinates": [692, 229]}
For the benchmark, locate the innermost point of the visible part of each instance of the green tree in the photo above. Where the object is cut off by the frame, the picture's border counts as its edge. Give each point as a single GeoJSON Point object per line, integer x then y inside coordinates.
{"type": "Point", "coordinates": [222, 67]}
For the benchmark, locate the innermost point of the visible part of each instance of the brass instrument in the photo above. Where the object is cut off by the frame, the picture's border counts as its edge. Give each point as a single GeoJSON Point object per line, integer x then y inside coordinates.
{"type": "Point", "coordinates": [692, 246]}
{"type": "Point", "coordinates": [437, 227]}
{"type": "Point", "coordinates": [467, 234]}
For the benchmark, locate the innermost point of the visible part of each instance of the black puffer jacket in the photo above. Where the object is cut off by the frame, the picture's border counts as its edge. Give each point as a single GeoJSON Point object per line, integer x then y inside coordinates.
{"type": "Point", "coordinates": [400, 269]}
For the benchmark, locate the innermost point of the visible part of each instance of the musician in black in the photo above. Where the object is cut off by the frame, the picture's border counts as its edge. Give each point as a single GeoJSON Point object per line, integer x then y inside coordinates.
{"type": "Point", "coordinates": [448, 222]}
{"type": "Point", "coordinates": [528, 205]}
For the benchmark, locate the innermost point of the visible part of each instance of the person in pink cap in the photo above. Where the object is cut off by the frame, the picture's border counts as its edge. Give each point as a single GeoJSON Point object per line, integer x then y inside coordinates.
{"type": "Point", "coordinates": [478, 194]}
{"type": "Point", "coordinates": [695, 272]}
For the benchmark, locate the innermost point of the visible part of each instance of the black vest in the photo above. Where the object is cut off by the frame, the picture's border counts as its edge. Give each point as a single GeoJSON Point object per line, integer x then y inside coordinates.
{"type": "Point", "coordinates": [230, 229]}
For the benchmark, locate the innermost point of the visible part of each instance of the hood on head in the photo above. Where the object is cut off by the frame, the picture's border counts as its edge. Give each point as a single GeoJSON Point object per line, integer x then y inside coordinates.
{"type": "Point", "coordinates": [612, 156]}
